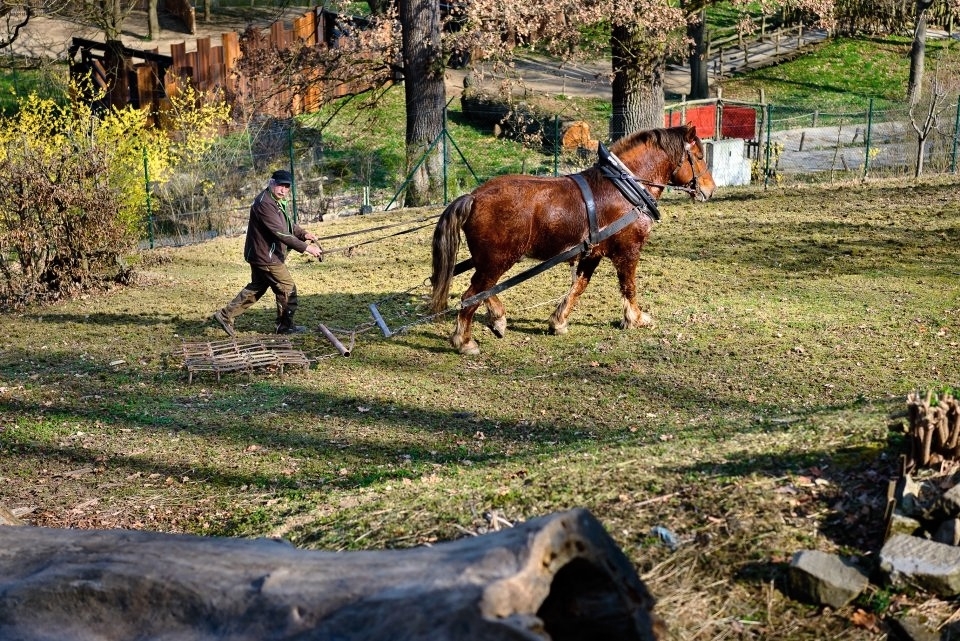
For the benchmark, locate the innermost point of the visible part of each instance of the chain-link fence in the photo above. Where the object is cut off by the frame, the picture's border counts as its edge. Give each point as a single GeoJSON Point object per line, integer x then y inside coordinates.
{"type": "Point", "coordinates": [332, 178]}
{"type": "Point", "coordinates": [793, 144]}
{"type": "Point", "coordinates": [815, 146]}
{"type": "Point", "coordinates": [358, 175]}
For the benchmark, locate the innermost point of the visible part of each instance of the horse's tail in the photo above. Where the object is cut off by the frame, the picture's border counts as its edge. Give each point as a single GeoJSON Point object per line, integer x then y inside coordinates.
{"type": "Point", "coordinates": [446, 243]}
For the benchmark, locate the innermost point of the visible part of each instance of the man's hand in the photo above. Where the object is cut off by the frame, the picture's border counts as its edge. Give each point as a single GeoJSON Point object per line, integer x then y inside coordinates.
{"type": "Point", "coordinates": [315, 250]}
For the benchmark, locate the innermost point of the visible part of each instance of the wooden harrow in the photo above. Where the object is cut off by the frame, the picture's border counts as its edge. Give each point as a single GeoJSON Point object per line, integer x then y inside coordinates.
{"type": "Point", "coordinates": [241, 355]}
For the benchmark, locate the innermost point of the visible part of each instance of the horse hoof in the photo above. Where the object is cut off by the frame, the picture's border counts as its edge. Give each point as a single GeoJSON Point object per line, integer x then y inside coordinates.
{"type": "Point", "coordinates": [498, 327]}
{"type": "Point", "coordinates": [645, 320]}
{"type": "Point", "coordinates": [469, 349]}
{"type": "Point", "coordinates": [559, 330]}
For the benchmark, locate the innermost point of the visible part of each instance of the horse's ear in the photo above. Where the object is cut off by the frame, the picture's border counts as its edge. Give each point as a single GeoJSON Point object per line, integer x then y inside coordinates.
{"type": "Point", "coordinates": [691, 133]}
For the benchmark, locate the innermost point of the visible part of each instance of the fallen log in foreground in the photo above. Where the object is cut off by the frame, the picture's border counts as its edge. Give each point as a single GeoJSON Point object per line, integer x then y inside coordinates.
{"type": "Point", "coordinates": [558, 577]}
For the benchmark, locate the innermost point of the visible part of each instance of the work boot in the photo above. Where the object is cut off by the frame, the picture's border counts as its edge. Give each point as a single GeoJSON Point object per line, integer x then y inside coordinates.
{"type": "Point", "coordinates": [290, 329]}
{"type": "Point", "coordinates": [285, 324]}
{"type": "Point", "coordinates": [225, 322]}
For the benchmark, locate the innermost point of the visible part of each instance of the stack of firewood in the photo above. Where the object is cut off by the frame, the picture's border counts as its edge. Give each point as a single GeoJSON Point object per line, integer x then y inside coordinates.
{"type": "Point", "coordinates": [934, 430]}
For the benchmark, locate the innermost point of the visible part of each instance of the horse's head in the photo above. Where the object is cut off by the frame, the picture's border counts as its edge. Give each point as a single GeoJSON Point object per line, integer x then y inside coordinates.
{"type": "Point", "coordinates": [692, 173]}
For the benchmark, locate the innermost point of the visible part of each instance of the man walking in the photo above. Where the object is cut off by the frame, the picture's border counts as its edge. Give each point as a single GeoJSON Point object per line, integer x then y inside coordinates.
{"type": "Point", "coordinates": [270, 232]}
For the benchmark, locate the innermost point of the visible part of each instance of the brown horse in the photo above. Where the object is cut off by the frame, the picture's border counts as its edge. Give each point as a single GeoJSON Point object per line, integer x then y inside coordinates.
{"type": "Point", "coordinates": [509, 217]}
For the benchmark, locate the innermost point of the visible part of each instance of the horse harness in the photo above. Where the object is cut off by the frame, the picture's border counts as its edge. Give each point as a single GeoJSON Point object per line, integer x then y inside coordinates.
{"type": "Point", "coordinates": [623, 179]}
{"type": "Point", "coordinates": [620, 175]}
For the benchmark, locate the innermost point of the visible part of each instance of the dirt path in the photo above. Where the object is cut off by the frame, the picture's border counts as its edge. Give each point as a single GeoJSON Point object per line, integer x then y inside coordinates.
{"type": "Point", "coordinates": [46, 37]}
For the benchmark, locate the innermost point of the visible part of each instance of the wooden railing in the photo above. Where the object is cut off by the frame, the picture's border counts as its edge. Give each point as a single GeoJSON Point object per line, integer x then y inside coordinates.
{"type": "Point", "coordinates": [735, 51]}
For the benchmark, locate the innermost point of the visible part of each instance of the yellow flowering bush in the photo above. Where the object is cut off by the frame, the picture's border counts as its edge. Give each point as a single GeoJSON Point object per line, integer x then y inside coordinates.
{"type": "Point", "coordinates": [74, 197]}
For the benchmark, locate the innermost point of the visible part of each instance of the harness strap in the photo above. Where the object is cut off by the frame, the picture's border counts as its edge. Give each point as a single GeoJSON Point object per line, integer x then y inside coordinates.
{"type": "Point", "coordinates": [569, 254]}
{"type": "Point", "coordinates": [588, 200]}
{"type": "Point", "coordinates": [622, 178]}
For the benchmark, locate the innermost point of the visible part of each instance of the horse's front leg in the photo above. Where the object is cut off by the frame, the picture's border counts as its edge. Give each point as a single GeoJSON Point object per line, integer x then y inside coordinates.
{"type": "Point", "coordinates": [581, 278]}
{"type": "Point", "coordinates": [633, 316]}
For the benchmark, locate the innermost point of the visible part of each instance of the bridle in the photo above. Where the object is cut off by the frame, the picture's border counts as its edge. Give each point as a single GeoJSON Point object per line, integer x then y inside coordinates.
{"type": "Point", "coordinates": [692, 186]}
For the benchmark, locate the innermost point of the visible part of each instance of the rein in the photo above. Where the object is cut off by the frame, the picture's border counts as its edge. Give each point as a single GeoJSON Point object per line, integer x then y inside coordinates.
{"type": "Point", "coordinates": [349, 248]}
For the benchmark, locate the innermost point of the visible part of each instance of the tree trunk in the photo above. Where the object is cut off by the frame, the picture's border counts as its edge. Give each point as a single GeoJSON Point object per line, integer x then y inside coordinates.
{"type": "Point", "coordinates": [637, 87]}
{"type": "Point", "coordinates": [699, 81]}
{"type": "Point", "coordinates": [918, 52]}
{"type": "Point", "coordinates": [558, 577]}
{"type": "Point", "coordinates": [118, 82]}
{"type": "Point", "coordinates": [113, 20]}
{"type": "Point", "coordinates": [425, 98]}
{"type": "Point", "coordinates": [918, 167]}
{"type": "Point", "coordinates": [153, 20]}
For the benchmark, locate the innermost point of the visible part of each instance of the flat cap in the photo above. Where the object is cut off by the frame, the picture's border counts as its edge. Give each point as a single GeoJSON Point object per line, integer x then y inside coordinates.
{"type": "Point", "coordinates": [282, 177]}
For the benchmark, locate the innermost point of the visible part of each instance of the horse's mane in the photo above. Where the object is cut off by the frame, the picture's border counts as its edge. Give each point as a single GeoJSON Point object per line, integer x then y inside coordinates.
{"type": "Point", "coordinates": [671, 140]}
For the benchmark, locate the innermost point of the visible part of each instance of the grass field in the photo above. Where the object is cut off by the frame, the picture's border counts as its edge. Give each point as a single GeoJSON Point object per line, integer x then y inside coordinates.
{"type": "Point", "coordinates": [842, 74]}
{"type": "Point", "coordinates": [751, 421]}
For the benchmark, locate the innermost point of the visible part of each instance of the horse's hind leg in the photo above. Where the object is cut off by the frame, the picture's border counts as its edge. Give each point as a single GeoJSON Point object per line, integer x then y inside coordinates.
{"type": "Point", "coordinates": [633, 316]}
{"type": "Point", "coordinates": [496, 316]}
{"type": "Point", "coordinates": [581, 278]}
{"type": "Point", "coordinates": [462, 336]}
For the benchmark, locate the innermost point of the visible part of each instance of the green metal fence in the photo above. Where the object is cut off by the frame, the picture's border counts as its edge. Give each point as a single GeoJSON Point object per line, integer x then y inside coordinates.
{"type": "Point", "coordinates": [212, 197]}
{"type": "Point", "coordinates": [827, 146]}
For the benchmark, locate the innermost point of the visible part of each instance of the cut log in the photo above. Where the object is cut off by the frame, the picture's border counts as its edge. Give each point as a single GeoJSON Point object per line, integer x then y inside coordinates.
{"type": "Point", "coordinates": [559, 577]}
{"type": "Point", "coordinates": [934, 430]}
{"type": "Point", "coordinates": [576, 135]}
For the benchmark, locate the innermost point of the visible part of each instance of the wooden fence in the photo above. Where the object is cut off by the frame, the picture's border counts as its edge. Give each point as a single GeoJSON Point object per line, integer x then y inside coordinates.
{"type": "Point", "coordinates": [740, 52]}
{"type": "Point", "coordinates": [145, 79]}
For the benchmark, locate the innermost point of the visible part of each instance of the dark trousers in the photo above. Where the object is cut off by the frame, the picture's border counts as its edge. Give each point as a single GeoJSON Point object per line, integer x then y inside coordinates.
{"type": "Point", "coordinates": [262, 278]}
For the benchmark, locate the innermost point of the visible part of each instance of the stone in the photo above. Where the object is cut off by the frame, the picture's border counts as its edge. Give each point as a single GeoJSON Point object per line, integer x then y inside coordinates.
{"type": "Point", "coordinates": [7, 517]}
{"type": "Point", "coordinates": [914, 628]}
{"type": "Point", "coordinates": [932, 566]}
{"type": "Point", "coordinates": [948, 533]}
{"type": "Point", "coordinates": [900, 523]}
{"type": "Point", "coordinates": [951, 501]}
{"type": "Point", "coordinates": [826, 579]}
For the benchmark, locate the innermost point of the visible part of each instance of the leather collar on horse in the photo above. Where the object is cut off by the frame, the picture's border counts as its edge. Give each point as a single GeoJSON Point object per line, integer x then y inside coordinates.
{"type": "Point", "coordinates": [622, 178]}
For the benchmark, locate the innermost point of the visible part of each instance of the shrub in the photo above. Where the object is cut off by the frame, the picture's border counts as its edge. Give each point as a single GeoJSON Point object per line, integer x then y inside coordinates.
{"type": "Point", "coordinates": [74, 197]}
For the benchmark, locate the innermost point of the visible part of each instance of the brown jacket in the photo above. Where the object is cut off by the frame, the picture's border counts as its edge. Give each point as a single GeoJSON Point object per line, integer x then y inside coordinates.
{"type": "Point", "coordinates": [271, 231]}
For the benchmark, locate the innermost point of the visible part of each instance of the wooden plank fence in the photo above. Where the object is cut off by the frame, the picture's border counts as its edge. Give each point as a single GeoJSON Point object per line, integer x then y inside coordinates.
{"type": "Point", "coordinates": [149, 78]}
{"type": "Point", "coordinates": [715, 118]}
